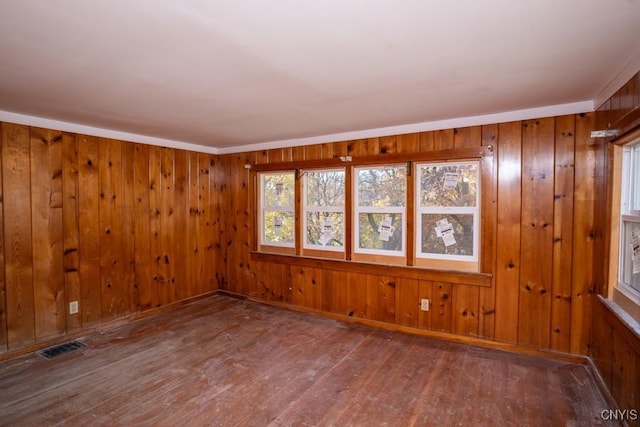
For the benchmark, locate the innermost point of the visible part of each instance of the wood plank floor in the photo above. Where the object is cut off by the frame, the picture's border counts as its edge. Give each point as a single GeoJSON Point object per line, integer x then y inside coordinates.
{"type": "Point", "coordinates": [227, 362]}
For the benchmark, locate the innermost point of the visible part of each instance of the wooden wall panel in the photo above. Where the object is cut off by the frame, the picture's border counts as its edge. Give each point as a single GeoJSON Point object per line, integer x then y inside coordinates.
{"type": "Point", "coordinates": [537, 232]}
{"type": "Point", "coordinates": [583, 234]}
{"type": "Point", "coordinates": [144, 282]}
{"type": "Point", "coordinates": [195, 268]}
{"type": "Point", "coordinates": [18, 252]}
{"type": "Point", "coordinates": [130, 295]}
{"type": "Point", "coordinates": [71, 228]}
{"type": "Point", "coordinates": [487, 296]}
{"type": "Point", "coordinates": [465, 312]}
{"type": "Point", "coordinates": [112, 233]}
{"type": "Point", "coordinates": [507, 268]}
{"type": "Point", "coordinates": [381, 298]}
{"type": "Point", "coordinates": [208, 217]}
{"type": "Point", "coordinates": [3, 288]}
{"type": "Point", "coordinates": [407, 302]}
{"type": "Point", "coordinates": [46, 218]}
{"type": "Point", "coordinates": [182, 258]}
{"type": "Point", "coordinates": [562, 233]}
{"type": "Point", "coordinates": [357, 292]}
{"type": "Point", "coordinates": [160, 272]}
{"type": "Point", "coordinates": [441, 306]}
{"type": "Point", "coordinates": [168, 257]}
{"type": "Point", "coordinates": [90, 235]}
{"type": "Point", "coordinates": [425, 292]}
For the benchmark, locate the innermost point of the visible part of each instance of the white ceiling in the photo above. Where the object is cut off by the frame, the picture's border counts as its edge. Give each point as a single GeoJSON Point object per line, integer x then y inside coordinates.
{"type": "Point", "coordinates": [226, 74]}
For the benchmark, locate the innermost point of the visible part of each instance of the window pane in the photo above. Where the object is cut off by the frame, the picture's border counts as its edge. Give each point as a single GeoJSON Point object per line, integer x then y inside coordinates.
{"type": "Point", "coordinates": [448, 185]}
{"type": "Point", "coordinates": [324, 188]}
{"type": "Point", "coordinates": [631, 254]}
{"type": "Point", "coordinates": [381, 186]}
{"type": "Point", "coordinates": [325, 229]}
{"type": "Point", "coordinates": [278, 189]}
{"type": "Point", "coordinates": [447, 234]}
{"type": "Point", "coordinates": [382, 231]}
{"type": "Point", "coordinates": [634, 203]}
{"type": "Point", "coordinates": [278, 227]}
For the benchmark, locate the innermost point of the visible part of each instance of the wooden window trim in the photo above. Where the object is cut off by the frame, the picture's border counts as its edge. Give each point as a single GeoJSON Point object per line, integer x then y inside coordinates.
{"type": "Point", "coordinates": [618, 293]}
{"type": "Point", "coordinates": [448, 276]}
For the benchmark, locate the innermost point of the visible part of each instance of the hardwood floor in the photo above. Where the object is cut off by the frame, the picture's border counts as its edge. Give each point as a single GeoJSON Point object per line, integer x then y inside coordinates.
{"type": "Point", "coordinates": [223, 361]}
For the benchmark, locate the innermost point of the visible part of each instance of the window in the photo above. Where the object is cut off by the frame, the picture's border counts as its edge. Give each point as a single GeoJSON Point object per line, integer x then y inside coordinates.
{"type": "Point", "coordinates": [379, 214]}
{"type": "Point", "coordinates": [277, 200]}
{"type": "Point", "coordinates": [629, 273]}
{"type": "Point", "coordinates": [448, 215]}
{"type": "Point", "coordinates": [323, 209]}
{"type": "Point", "coordinates": [624, 271]}
{"type": "Point", "coordinates": [401, 209]}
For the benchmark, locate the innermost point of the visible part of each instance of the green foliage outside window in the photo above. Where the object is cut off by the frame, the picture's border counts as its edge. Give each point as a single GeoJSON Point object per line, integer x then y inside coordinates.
{"type": "Point", "coordinates": [324, 206]}
{"type": "Point", "coordinates": [381, 196]}
{"type": "Point", "coordinates": [278, 223]}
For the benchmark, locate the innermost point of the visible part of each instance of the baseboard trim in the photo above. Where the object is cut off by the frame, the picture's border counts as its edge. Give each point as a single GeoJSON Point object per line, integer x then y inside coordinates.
{"type": "Point", "coordinates": [602, 385]}
{"type": "Point", "coordinates": [473, 341]}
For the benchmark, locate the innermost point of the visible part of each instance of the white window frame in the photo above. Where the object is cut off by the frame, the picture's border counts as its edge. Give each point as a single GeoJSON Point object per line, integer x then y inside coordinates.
{"type": "Point", "coordinates": [630, 171]}
{"type": "Point", "coordinates": [335, 209]}
{"type": "Point", "coordinates": [264, 209]}
{"type": "Point", "coordinates": [444, 210]}
{"type": "Point", "coordinates": [357, 210]}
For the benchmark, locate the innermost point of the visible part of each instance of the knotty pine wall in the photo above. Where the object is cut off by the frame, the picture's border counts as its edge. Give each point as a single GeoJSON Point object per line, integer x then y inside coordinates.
{"type": "Point", "coordinates": [544, 212]}
{"type": "Point", "coordinates": [615, 349]}
{"type": "Point", "coordinates": [122, 228]}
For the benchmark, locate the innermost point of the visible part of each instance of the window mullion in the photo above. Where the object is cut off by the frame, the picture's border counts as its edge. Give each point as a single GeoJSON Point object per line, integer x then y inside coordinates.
{"type": "Point", "coordinates": [297, 213]}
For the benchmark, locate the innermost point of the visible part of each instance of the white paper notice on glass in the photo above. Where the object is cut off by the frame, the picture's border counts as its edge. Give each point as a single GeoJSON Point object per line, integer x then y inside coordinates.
{"type": "Point", "coordinates": [444, 229]}
{"type": "Point", "coordinates": [448, 239]}
{"type": "Point", "coordinates": [450, 180]}
{"type": "Point", "coordinates": [327, 232]}
{"type": "Point", "coordinates": [385, 229]}
{"type": "Point", "coordinates": [277, 226]}
{"type": "Point", "coordinates": [635, 248]}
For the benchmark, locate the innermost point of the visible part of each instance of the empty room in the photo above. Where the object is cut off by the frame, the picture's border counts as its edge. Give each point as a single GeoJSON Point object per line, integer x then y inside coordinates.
{"type": "Point", "coordinates": [336, 213]}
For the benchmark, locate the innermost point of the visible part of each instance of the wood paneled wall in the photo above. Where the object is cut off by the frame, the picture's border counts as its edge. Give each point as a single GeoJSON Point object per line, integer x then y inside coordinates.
{"type": "Point", "coordinates": [544, 187]}
{"type": "Point", "coordinates": [616, 350]}
{"type": "Point", "coordinates": [119, 227]}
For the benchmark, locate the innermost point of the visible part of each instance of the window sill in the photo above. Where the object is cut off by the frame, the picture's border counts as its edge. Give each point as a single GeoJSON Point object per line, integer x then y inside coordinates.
{"type": "Point", "coordinates": [623, 315]}
{"type": "Point", "coordinates": [449, 276]}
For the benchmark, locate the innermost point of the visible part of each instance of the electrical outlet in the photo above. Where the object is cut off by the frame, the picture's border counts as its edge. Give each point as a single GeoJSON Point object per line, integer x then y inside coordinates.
{"type": "Point", "coordinates": [424, 304]}
{"type": "Point", "coordinates": [73, 307]}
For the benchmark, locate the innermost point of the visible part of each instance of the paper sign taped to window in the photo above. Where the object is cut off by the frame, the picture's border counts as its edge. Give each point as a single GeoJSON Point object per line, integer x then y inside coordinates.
{"type": "Point", "coordinates": [448, 239]}
{"type": "Point", "coordinates": [635, 248]}
{"type": "Point", "coordinates": [327, 232]}
{"type": "Point", "coordinates": [450, 180]}
{"type": "Point", "coordinates": [277, 226]}
{"type": "Point", "coordinates": [385, 229]}
{"type": "Point", "coordinates": [444, 229]}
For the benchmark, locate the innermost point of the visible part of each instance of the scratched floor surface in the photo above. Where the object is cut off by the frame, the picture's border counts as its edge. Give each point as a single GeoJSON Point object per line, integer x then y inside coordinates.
{"type": "Point", "coordinates": [223, 361]}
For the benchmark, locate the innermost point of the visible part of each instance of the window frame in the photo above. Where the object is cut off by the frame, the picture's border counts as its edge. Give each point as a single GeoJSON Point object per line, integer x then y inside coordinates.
{"type": "Point", "coordinates": [405, 267]}
{"type": "Point", "coordinates": [458, 262]}
{"type": "Point", "coordinates": [320, 250]}
{"type": "Point", "coordinates": [379, 255]}
{"type": "Point", "coordinates": [619, 292]}
{"type": "Point", "coordinates": [629, 180]}
{"type": "Point", "coordinates": [284, 247]}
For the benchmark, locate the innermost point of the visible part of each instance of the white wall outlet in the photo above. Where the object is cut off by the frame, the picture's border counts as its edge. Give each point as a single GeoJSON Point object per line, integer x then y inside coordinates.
{"type": "Point", "coordinates": [73, 307]}
{"type": "Point", "coordinates": [424, 304]}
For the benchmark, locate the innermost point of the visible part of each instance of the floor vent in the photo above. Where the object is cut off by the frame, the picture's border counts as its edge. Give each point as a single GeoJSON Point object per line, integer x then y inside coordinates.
{"type": "Point", "coordinates": [60, 349]}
